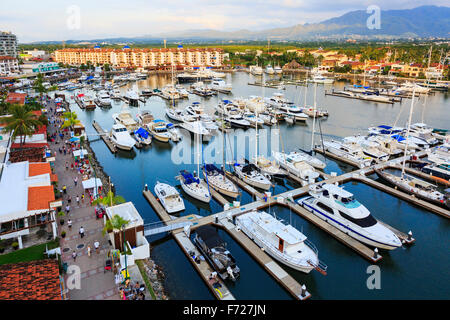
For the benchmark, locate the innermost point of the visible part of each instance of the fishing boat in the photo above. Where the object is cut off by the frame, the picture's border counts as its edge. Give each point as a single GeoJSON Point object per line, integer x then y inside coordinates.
{"type": "Point", "coordinates": [158, 130]}
{"type": "Point", "coordinates": [340, 209]}
{"type": "Point", "coordinates": [194, 187]}
{"type": "Point", "coordinates": [282, 242]}
{"type": "Point", "coordinates": [349, 152]}
{"type": "Point", "coordinates": [121, 138]}
{"type": "Point", "coordinates": [295, 163]}
{"type": "Point", "coordinates": [169, 197]}
{"type": "Point", "coordinates": [215, 251]}
{"type": "Point", "coordinates": [250, 174]}
{"type": "Point", "coordinates": [217, 179]}
{"type": "Point", "coordinates": [268, 167]}
{"type": "Point", "coordinates": [142, 136]}
{"type": "Point", "coordinates": [124, 117]}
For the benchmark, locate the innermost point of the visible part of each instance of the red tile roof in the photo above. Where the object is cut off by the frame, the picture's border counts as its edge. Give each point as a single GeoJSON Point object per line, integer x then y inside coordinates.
{"type": "Point", "coordinates": [28, 145]}
{"type": "Point", "coordinates": [34, 280]}
{"type": "Point", "coordinates": [36, 169]}
{"type": "Point", "coordinates": [40, 197]}
{"type": "Point", "coordinates": [16, 98]}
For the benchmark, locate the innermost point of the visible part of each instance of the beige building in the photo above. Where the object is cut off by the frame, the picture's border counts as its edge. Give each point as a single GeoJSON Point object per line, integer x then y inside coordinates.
{"type": "Point", "coordinates": [142, 58]}
{"type": "Point", "coordinates": [8, 65]}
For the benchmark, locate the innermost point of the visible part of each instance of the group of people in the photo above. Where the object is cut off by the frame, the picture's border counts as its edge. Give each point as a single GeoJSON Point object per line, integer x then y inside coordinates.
{"type": "Point", "coordinates": [132, 292]}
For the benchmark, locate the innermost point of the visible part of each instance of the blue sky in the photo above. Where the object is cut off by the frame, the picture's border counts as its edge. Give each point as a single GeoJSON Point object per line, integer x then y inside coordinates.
{"type": "Point", "coordinates": [57, 20]}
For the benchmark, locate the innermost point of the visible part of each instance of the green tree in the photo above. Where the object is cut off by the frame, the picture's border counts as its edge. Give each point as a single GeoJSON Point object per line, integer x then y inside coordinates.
{"type": "Point", "coordinates": [38, 85]}
{"type": "Point", "coordinates": [21, 123]}
{"type": "Point", "coordinates": [109, 200]}
{"type": "Point", "coordinates": [71, 120]}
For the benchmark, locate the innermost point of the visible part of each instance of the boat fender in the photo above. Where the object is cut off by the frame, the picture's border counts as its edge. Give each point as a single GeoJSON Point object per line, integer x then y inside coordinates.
{"type": "Point", "coordinates": [220, 293]}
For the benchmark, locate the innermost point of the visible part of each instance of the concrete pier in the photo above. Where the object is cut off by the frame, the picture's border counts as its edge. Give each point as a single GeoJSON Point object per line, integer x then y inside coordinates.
{"type": "Point", "coordinates": [104, 137]}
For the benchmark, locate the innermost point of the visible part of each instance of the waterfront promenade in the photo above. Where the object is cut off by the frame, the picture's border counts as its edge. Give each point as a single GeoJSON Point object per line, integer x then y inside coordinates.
{"type": "Point", "coordinates": [95, 283]}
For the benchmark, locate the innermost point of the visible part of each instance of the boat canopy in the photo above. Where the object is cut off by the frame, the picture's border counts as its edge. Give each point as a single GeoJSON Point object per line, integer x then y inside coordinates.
{"type": "Point", "coordinates": [249, 168]}
{"type": "Point", "coordinates": [385, 127]}
{"type": "Point", "coordinates": [158, 121]}
{"type": "Point", "coordinates": [226, 101]}
{"type": "Point", "coordinates": [213, 168]}
{"type": "Point", "coordinates": [398, 137]}
{"type": "Point", "coordinates": [142, 132]}
{"type": "Point", "coordinates": [188, 177]}
{"type": "Point", "coordinates": [210, 236]}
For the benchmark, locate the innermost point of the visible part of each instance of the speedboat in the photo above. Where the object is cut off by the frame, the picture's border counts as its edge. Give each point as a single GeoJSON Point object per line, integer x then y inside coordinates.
{"type": "Point", "coordinates": [141, 135]}
{"type": "Point", "coordinates": [421, 131]}
{"type": "Point", "coordinates": [295, 163]}
{"type": "Point", "coordinates": [175, 114]}
{"type": "Point", "coordinates": [268, 167]}
{"type": "Point", "coordinates": [194, 187]}
{"type": "Point", "coordinates": [282, 242]}
{"type": "Point", "coordinates": [104, 98]}
{"type": "Point", "coordinates": [318, 78]}
{"type": "Point", "coordinates": [217, 179]}
{"type": "Point", "coordinates": [293, 111]}
{"type": "Point", "coordinates": [214, 250]}
{"type": "Point", "coordinates": [339, 208]}
{"type": "Point", "coordinates": [158, 130]}
{"type": "Point", "coordinates": [121, 137]}
{"type": "Point", "coordinates": [349, 152]}
{"type": "Point", "coordinates": [250, 174]}
{"type": "Point", "coordinates": [269, 69]}
{"type": "Point", "coordinates": [169, 197]}
{"type": "Point", "coordinates": [278, 69]}
{"type": "Point", "coordinates": [124, 117]}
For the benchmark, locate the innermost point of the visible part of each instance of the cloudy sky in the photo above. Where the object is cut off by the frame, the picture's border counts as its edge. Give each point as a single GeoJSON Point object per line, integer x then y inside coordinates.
{"type": "Point", "coordinates": [33, 20]}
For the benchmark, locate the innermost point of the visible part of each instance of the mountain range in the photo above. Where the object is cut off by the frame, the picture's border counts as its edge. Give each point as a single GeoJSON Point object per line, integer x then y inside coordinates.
{"type": "Point", "coordinates": [420, 22]}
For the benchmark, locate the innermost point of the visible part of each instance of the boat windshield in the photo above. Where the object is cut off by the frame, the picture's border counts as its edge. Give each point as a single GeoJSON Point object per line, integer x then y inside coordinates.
{"type": "Point", "coordinates": [362, 222]}
{"type": "Point", "coordinates": [349, 202]}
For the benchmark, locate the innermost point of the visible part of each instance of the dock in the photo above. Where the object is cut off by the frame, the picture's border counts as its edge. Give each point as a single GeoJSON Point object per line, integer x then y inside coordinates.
{"type": "Point", "coordinates": [248, 188]}
{"type": "Point", "coordinates": [104, 136]}
{"type": "Point", "coordinates": [357, 97]}
{"type": "Point", "coordinates": [422, 175]}
{"type": "Point", "coordinates": [189, 249]}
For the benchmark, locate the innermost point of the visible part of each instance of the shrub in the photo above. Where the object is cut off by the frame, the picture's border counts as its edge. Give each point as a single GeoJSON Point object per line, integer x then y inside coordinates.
{"type": "Point", "coordinates": [15, 245]}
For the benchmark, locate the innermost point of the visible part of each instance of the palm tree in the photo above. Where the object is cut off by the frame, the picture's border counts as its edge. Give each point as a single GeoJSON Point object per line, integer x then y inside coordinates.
{"type": "Point", "coordinates": [22, 123]}
{"type": "Point", "coordinates": [118, 223]}
{"type": "Point", "coordinates": [71, 120]}
{"type": "Point", "coordinates": [39, 86]}
{"type": "Point", "coordinates": [109, 200]}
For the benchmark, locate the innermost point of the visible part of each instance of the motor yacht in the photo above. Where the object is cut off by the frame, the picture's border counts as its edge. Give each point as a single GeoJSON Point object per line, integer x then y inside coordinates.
{"type": "Point", "coordinates": [144, 118]}
{"type": "Point", "coordinates": [169, 197]}
{"type": "Point", "coordinates": [158, 130]}
{"type": "Point", "coordinates": [220, 85]}
{"type": "Point", "coordinates": [124, 117]}
{"type": "Point", "coordinates": [349, 152]}
{"type": "Point", "coordinates": [370, 148]}
{"type": "Point", "coordinates": [104, 98]}
{"type": "Point", "coordinates": [121, 138]}
{"type": "Point", "coordinates": [268, 167]}
{"type": "Point", "coordinates": [295, 164]}
{"type": "Point", "coordinates": [253, 119]}
{"type": "Point", "coordinates": [340, 209]}
{"type": "Point", "coordinates": [269, 69]}
{"type": "Point", "coordinates": [282, 242]}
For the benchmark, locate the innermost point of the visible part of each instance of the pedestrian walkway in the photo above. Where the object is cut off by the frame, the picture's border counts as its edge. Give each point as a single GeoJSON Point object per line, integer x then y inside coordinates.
{"type": "Point", "coordinates": [96, 284]}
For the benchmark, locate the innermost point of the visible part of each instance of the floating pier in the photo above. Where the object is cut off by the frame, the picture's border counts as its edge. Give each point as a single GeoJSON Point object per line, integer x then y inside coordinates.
{"type": "Point", "coordinates": [357, 97]}
{"type": "Point", "coordinates": [104, 136]}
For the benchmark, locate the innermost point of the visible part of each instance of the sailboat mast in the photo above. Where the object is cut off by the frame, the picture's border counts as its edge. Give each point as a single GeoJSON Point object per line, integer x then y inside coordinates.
{"type": "Point", "coordinates": [314, 117]}
{"type": "Point", "coordinates": [306, 91]}
{"type": "Point", "coordinates": [407, 132]}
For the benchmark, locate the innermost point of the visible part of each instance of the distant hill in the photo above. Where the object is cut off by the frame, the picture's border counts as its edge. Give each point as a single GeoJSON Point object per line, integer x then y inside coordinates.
{"type": "Point", "coordinates": [420, 22]}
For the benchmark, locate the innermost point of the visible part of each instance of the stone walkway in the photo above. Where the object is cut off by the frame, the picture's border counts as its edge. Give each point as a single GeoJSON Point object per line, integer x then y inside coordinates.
{"type": "Point", "coordinates": [95, 283]}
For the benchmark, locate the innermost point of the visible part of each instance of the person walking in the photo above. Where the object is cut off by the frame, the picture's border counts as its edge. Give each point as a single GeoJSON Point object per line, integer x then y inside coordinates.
{"type": "Point", "coordinates": [81, 231]}
{"type": "Point", "coordinates": [97, 246]}
{"type": "Point", "coordinates": [75, 181]}
{"type": "Point", "coordinates": [82, 198]}
{"type": "Point", "coordinates": [67, 209]}
{"type": "Point", "coordinates": [74, 255]}
{"type": "Point", "coordinates": [64, 189]}
{"type": "Point", "coordinates": [78, 200]}
{"type": "Point", "coordinates": [89, 251]}
{"type": "Point", "coordinates": [67, 163]}
{"type": "Point", "coordinates": [69, 224]}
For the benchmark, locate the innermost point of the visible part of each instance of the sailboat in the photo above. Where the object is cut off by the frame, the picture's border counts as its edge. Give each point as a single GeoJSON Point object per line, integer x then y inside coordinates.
{"type": "Point", "coordinates": [194, 186]}
{"type": "Point", "coordinates": [218, 181]}
{"type": "Point", "coordinates": [411, 184]}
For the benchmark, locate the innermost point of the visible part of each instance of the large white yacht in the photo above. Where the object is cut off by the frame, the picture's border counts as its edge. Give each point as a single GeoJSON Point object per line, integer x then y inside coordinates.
{"type": "Point", "coordinates": [278, 69]}
{"type": "Point", "coordinates": [283, 242]}
{"type": "Point", "coordinates": [349, 152]}
{"type": "Point", "coordinates": [370, 148]}
{"type": "Point", "coordinates": [194, 187]}
{"type": "Point", "coordinates": [250, 174]}
{"type": "Point", "coordinates": [218, 181]}
{"type": "Point", "coordinates": [422, 131]}
{"type": "Point", "coordinates": [293, 111]}
{"type": "Point", "coordinates": [318, 78]}
{"type": "Point", "coordinates": [121, 137]}
{"type": "Point", "coordinates": [169, 197]}
{"type": "Point", "coordinates": [339, 208]}
{"type": "Point", "coordinates": [295, 163]}
{"type": "Point", "coordinates": [104, 98]}
{"type": "Point", "coordinates": [175, 114]}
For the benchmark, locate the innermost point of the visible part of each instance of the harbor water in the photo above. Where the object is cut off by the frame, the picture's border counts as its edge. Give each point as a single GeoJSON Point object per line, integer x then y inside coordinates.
{"type": "Point", "coordinates": [415, 272]}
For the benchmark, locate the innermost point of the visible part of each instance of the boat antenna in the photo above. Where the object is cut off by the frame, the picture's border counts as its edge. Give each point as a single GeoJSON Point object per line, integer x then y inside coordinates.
{"type": "Point", "coordinates": [407, 132]}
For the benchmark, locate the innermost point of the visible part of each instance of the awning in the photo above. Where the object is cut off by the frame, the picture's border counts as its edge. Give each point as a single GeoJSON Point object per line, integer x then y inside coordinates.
{"type": "Point", "coordinates": [80, 153]}
{"type": "Point", "coordinates": [90, 183]}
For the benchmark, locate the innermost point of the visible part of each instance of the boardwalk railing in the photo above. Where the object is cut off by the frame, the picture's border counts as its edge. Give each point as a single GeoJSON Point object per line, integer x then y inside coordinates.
{"type": "Point", "coordinates": [161, 227]}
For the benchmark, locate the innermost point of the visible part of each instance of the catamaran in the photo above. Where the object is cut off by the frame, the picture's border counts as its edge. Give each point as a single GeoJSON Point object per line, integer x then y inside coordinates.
{"type": "Point", "coordinates": [283, 242]}
{"type": "Point", "coordinates": [169, 197]}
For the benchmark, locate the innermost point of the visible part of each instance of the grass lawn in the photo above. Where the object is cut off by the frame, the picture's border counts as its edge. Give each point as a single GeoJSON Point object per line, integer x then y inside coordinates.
{"type": "Point", "coordinates": [140, 264]}
{"type": "Point", "coordinates": [28, 254]}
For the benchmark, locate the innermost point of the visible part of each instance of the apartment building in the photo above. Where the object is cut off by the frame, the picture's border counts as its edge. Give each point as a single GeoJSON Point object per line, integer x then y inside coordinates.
{"type": "Point", "coordinates": [142, 58]}
{"type": "Point", "coordinates": [8, 65]}
{"type": "Point", "coordinates": [8, 44]}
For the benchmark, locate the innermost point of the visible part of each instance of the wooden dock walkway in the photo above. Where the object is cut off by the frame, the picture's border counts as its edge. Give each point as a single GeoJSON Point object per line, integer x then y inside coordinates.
{"type": "Point", "coordinates": [422, 175]}
{"type": "Point", "coordinates": [104, 136]}
{"type": "Point", "coordinates": [189, 249]}
{"type": "Point", "coordinates": [357, 97]}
